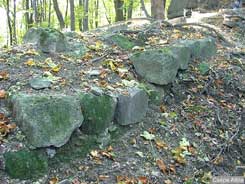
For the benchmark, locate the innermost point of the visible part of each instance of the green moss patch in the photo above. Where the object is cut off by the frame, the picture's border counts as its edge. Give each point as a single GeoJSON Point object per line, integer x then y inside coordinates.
{"type": "Point", "coordinates": [122, 42]}
{"type": "Point", "coordinates": [98, 112]}
{"type": "Point", "coordinates": [26, 164]}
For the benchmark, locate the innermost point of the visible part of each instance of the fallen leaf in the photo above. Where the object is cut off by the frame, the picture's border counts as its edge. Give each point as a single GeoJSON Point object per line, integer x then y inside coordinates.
{"type": "Point", "coordinates": [53, 180]}
{"type": "Point", "coordinates": [161, 144]}
{"type": "Point", "coordinates": [168, 181]}
{"type": "Point", "coordinates": [103, 177]}
{"type": "Point", "coordinates": [143, 179]}
{"type": "Point", "coordinates": [4, 75]}
{"type": "Point", "coordinates": [30, 62]}
{"type": "Point", "coordinates": [148, 136]}
{"type": "Point", "coordinates": [162, 166]}
{"type": "Point", "coordinates": [3, 94]}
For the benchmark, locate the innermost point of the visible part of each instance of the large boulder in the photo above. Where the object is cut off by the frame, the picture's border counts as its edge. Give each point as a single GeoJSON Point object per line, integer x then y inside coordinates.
{"type": "Point", "coordinates": [119, 40]}
{"type": "Point", "coordinates": [131, 107]}
{"type": "Point", "coordinates": [175, 8]}
{"type": "Point", "coordinates": [25, 164]}
{"type": "Point", "coordinates": [182, 55]}
{"type": "Point", "coordinates": [47, 120]}
{"type": "Point", "coordinates": [200, 48]}
{"type": "Point", "coordinates": [158, 66]}
{"type": "Point", "coordinates": [47, 39]}
{"type": "Point", "coordinates": [98, 112]}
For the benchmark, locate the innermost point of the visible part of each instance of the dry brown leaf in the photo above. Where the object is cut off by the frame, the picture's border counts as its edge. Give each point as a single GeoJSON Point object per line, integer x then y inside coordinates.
{"type": "Point", "coordinates": [53, 180]}
{"type": "Point", "coordinates": [161, 144]}
{"type": "Point", "coordinates": [161, 166]}
{"type": "Point", "coordinates": [4, 75]}
{"type": "Point", "coordinates": [143, 179]}
{"type": "Point", "coordinates": [3, 94]}
{"type": "Point", "coordinates": [103, 177]}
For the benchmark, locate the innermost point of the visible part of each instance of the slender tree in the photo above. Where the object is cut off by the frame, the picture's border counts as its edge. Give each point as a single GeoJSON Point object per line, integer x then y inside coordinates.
{"type": "Point", "coordinates": [59, 14]}
{"type": "Point", "coordinates": [85, 18]}
{"type": "Point", "coordinates": [72, 15]}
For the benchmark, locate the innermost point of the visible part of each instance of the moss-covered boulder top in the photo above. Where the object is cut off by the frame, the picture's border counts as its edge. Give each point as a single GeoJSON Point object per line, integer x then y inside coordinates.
{"type": "Point", "coordinates": [47, 120]}
{"type": "Point", "coordinates": [48, 40]}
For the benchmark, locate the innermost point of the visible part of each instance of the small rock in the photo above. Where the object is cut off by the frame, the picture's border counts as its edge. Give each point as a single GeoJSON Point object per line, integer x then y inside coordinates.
{"type": "Point", "coordinates": [40, 83]}
{"type": "Point", "coordinates": [131, 108]}
{"type": "Point", "coordinates": [66, 181]}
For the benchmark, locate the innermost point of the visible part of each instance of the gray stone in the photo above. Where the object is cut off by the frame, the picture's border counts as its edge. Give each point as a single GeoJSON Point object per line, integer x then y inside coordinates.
{"type": "Point", "coordinates": [200, 48]}
{"type": "Point", "coordinates": [98, 112]}
{"type": "Point", "coordinates": [193, 45]}
{"type": "Point", "coordinates": [156, 66]}
{"type": "Point", "coordinates": [241, 82]}
{"type": "Point", "coordinates": [131, 108]}
{"type": "Point", "coordinates": [40, 83]}
{"type": "Point", "coordinates": [182, 54]}
{"type": "Point", "coordinates": [207, 47]}
{"type": "Point", "coordinates": [47, 120]}
{"type": "Point", "coordinates": [66, 181]}
{"type": "Point", "coordinates": [47, 39]}
{"type": "Point", "coordinates": [176, 7]}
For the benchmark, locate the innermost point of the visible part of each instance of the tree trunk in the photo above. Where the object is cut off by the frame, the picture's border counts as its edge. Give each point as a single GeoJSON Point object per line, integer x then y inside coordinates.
{"type": "Point", "coordinates": [108, 17]}
{"type": "Point", "coordinates": [130, 9]}
{"type": "Point", "coordinates": [80, 17]}
{"type": "Point", "coordinates": [144, 8]}
{"type": "Point", "coordinates": [49, 12]}
{"type": "Point", "coordinates": [158, 9]}
{"type": "Point", "coordinates": [59, 14]}
{"type": "Point", "coordinates": [9, 22]}
{"type": "Point", "coordinates": [96, 13]}
{"type": "Point", "coordinates": [66, 13]}
{"type": "Point", "coordinates": [14, 24]}
{"type": "Point", "coordinates": [85, 19]}
{"type": "Point", "coordinates": [72, 15]}
{"type": "Point", "coordinates": [118, 4]}
{"type": "Point", "coordinates": [34, 5]}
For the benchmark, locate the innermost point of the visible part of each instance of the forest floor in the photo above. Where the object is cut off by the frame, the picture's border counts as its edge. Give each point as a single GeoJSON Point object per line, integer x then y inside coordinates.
{"type": "Point", "coordinates": [196, 133]}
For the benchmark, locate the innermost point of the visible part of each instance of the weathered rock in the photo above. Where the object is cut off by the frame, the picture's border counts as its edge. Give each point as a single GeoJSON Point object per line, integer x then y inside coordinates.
{"type": "Point", "coordinates": [207, 47]}
{"type": "Point", "coordinates": [155, 93]}
{"type": "Point", "coordinates": [33, 35]}
{"type": "Point", "coordinates": [182, 55]}
{"type": "Point", "coordinates": [200, 48]}
{"type": "Point", "coordinates": [26, 164]}
{"type": "Point", "coordinates": [193, 45]}
{"type": "Point", "coordinates": [175, 8]}
{"type": "Point", "coordinates": [131, 108]}
{"type": "Point", "coordinates": [47, 39]}
{"type": "Point", "coordinates": [156, 66]}
{"type": "Point", "coordinates": [40, 83]}
{"type": "Point", "coordinates": [98, 112]}
{"type": "Point", "coordinates": [47, 120]}
{"type": "Point", "coordinates": [120, 40]}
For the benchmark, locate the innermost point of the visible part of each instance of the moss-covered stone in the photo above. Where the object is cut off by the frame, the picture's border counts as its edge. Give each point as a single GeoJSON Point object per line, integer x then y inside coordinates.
{"type": "Point", "coordinates": [47, 39]}
{"type": "Point", "coordinates": [122, 41]}
{"type": "Point", "coordinates": [26, 164]}
{"type": "Point", "coordinates": [77, 147]}
{"type": "Point", "coordinates": [98, 112]}
{"type": "Point", "coordinates": [47, 120]}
